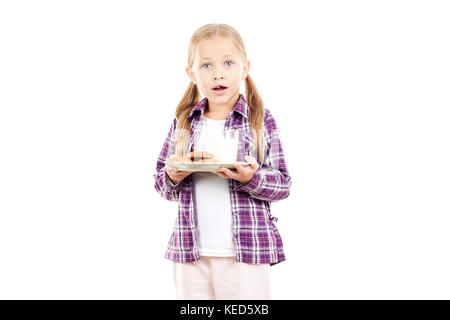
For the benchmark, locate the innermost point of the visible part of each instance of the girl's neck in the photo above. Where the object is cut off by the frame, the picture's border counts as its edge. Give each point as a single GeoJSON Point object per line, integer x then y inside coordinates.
{"type": "Point", "coordinates": [219, 112]}
{"type": "Point", "coordinates": [215, 115]}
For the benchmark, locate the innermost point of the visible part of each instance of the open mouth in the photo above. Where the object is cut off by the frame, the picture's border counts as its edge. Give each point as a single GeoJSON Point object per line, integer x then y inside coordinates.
{"type": "Point", "coordinates": [218, 88]}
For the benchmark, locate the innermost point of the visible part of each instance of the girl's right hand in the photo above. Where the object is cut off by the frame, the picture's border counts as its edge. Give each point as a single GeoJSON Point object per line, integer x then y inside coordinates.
{"type": "Point", "coordinates": [175, 175]}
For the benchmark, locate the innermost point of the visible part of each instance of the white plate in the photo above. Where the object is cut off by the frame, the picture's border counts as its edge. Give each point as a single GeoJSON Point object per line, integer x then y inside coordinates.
{"type": "Point", "coordinates": [199, 166]}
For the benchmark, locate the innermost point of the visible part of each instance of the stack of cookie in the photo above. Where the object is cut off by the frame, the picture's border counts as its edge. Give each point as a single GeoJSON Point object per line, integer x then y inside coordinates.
{"type": "Point", "coordinates": [194, 156]}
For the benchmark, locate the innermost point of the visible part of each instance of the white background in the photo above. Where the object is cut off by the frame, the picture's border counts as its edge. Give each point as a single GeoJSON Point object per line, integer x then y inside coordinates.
{"type": "Point", "coordinates": [360, 91]}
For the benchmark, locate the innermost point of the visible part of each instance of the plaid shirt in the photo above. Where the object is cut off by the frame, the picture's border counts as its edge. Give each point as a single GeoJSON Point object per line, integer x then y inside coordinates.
{"type": "Point", "coordinates": [255, 234]}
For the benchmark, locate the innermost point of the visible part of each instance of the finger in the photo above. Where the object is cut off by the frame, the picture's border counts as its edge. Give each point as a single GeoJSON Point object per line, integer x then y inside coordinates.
{"type": "Point", "coordinates": [220, 171]}
{"type": "Point", "coordinates": [229, 172]}
{"type": "Point", "coordinates": [238, 167]}
{"type": "Point", "coordinates": [253, 163]}
{"type": "Point", "coordinates": [182, 173]}
{"type": "Point", "coordinates": [221, 175]}
{"type": "Point", "coordinates": [243, 169]}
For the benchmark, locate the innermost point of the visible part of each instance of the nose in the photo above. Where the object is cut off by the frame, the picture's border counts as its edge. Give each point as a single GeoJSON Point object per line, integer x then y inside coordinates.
{"type": "Point", "coordinates": [218, 74]}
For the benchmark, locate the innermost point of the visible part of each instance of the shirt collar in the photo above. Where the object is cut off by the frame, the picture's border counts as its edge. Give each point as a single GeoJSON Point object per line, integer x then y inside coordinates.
{"type": "Point", "coordinates": [240, 107]}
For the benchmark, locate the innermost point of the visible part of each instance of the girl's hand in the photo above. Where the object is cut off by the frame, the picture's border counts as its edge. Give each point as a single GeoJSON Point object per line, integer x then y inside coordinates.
{"type": "Point", "coordinates": [174, 174]}
{"type": "Point", "coordinates": [241, 174]}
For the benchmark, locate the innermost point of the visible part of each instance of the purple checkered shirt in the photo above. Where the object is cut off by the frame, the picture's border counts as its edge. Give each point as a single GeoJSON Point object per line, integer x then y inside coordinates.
{"type": "Point", "coordinates": [255, 234]}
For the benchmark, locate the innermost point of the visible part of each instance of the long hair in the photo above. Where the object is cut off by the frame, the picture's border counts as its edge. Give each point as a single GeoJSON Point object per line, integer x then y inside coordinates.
{"type": "Point", "coordinates": [192, 95]}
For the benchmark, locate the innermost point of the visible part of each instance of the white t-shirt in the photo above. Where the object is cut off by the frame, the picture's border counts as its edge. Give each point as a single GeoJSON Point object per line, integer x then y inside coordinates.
{"type": "Point", "coordinates": [212, 201]}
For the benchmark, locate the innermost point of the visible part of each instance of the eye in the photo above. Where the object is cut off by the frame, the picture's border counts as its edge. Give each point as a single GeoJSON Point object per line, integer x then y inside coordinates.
{"type": "Point", "coordinates": [207, 64]}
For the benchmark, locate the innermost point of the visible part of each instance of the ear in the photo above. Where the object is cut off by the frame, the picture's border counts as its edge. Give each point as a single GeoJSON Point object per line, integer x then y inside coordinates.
{"type": "Point", "coordinates": [246, 69]}
{"type": "Point", "coordinates": [191, 74]}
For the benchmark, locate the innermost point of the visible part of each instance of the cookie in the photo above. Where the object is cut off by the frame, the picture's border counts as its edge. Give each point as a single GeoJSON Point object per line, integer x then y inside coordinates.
{"type": "Point", "coordinates": [200, 155]}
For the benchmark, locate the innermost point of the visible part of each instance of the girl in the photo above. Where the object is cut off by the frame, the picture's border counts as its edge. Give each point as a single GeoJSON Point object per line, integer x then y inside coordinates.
{"type": "Point", "coordinates": [224, 238]}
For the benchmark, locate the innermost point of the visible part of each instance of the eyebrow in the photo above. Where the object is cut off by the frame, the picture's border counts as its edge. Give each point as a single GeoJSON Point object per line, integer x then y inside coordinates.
{"type": "Point", "coordinates": [227, 55]}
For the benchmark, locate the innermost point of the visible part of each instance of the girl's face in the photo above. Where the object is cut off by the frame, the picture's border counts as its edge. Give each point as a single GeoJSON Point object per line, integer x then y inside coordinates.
{"type": "Point", "coordinates": [218, 62]}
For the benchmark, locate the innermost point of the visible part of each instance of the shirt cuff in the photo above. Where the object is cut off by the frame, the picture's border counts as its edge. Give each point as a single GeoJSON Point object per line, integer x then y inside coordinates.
{"type": "Point", "coordinates": [254, 184]}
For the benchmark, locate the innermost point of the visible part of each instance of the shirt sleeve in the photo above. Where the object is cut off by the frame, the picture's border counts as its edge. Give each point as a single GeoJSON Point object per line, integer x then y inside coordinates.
{"type": "Point", "coordinates": [271, 181]}
{"type": "Point", "coordinates": [163, 185]}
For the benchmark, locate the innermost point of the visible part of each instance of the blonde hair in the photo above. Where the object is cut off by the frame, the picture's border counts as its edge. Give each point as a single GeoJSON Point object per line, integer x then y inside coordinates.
{"type": "Point", "coordinates": [192, 95]}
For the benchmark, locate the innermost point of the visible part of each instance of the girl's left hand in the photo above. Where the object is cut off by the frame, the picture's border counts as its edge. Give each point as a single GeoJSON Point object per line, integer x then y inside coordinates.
{"type": "Point", "coordinates": [241, 174]}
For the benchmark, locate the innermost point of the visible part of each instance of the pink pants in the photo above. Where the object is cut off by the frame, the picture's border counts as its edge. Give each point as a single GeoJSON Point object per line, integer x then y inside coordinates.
{"type": "Point", "coordinates": [221, 278]}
